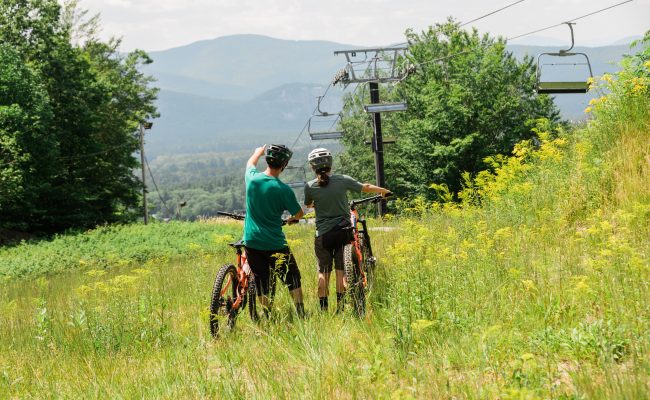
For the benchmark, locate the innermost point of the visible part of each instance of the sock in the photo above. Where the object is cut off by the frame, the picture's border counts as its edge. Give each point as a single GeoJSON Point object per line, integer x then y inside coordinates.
{"type": "Point", "coordinates": [300, 309]}
{"type": "Point", "coordinates": [324, 303]}
{"type": "Point", "coordinates": [340, 301]}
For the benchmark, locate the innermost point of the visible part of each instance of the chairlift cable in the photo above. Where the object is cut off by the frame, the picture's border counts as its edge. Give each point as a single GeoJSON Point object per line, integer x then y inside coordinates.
{"type": "Point", "coordinates": [307, 123]}
{"type": "Point", "coordinates": [571, 20]}
{"type": "Point", "coordinates": [526, 34]}
{"type": "Point", "coordinates": [491, 13]}
{"type": "Point", "coordinates": [156, 187]}
{"type": "Point", "coordinates": [477, 19]}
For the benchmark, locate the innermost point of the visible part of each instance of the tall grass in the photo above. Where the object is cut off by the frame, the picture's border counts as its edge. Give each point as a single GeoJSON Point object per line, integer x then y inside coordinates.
{"type": "Point", "coordinates": [536, 287]}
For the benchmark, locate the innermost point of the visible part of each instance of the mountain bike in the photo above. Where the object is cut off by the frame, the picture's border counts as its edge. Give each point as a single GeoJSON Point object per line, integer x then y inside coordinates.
{"type": "Point", "coordinates": [234, 288]}
{"type": "Point", "coordinates": [358, 260]}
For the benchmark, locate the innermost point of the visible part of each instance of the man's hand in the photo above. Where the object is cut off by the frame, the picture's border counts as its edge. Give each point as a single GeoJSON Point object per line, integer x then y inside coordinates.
{"type": "Point", "coordinates": [252, 162]}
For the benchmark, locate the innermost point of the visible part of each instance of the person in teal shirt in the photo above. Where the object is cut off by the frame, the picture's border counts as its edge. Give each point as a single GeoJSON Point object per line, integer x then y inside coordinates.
{"type": "Point", "coordinates": [267, 198]}
{"type": "Point", "coordinates": [328, 195]}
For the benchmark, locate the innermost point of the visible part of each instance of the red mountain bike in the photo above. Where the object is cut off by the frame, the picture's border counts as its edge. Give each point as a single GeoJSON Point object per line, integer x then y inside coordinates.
{"type": "Point", "coordinates": [233, 287]}
{"type": "Point", "coordinates": [358, 261]}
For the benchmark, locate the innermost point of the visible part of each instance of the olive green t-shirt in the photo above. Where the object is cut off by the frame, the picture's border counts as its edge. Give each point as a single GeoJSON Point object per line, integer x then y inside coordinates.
{"type": "Point", "coordinates": [267, 198]}
{"type": "Point", "coordinates": [331, 201]}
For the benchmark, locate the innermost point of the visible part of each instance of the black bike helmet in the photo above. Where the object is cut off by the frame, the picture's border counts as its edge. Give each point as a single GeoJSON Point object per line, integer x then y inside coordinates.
{"type": "Point", "coordinates": [278, 155]}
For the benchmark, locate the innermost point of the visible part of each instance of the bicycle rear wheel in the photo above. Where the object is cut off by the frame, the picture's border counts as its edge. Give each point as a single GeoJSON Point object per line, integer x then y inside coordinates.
{"type": "Point", "coordinates": [224, 295]}
{"type": "Point", "coordinates": [355, 290]}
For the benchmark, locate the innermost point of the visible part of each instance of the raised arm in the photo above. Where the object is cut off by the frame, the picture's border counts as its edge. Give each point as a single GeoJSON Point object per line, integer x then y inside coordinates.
{"type": "Point", "coordinates": [252, 162]}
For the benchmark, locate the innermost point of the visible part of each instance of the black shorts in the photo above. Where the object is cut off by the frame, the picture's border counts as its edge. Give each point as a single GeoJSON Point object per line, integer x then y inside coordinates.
{"type": "Point", "coordinates": [281, 263]}
{"type": "Point", "coordinates": [328, 256]}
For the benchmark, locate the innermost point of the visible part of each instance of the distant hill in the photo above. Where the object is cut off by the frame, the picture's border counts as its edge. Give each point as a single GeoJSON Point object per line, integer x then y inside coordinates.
{"type": "Point", "coordinates": [190, 123]}
{"type": "Point", "coordinates": [232, 92]}
{"type": "Point", "coordinates": [251, 63]}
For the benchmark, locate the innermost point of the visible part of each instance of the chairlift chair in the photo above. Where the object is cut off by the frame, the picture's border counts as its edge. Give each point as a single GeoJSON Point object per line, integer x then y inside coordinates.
{"type": "Point", "coordinates": [318, 120]}
{"type": "Point", "coordinates": [565, 86]}
{"type": "Point", "coordinates": [298, 184]}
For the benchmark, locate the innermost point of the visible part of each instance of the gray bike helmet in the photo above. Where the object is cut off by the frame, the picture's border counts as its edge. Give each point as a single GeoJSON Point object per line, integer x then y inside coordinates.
{"type": "Point", "coordinates": [320, 158]}
{"type": "Point", "coordinates": [278, 155]}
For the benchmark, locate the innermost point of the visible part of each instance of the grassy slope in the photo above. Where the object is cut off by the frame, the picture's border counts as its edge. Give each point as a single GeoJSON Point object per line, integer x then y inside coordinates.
{"type": "Point", "coordinates": [110, 246]}
{"type": "Point", "coordinates": [541, 292]}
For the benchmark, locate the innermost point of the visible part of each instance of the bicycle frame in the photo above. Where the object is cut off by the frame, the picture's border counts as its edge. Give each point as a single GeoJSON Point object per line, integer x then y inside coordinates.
{"type": "Point", "coordinates": [355, 219]}
{"type": "Point", "coordinates": [243, 279]}
{"type": "Point", "coordinates": [242, 275]}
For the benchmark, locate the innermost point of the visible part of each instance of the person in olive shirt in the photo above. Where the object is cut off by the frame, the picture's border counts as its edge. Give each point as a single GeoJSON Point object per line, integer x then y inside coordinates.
{"type": "Point", "coordinates": [267, 197]}
{"type": "Point", "coordinates": [328, 195]}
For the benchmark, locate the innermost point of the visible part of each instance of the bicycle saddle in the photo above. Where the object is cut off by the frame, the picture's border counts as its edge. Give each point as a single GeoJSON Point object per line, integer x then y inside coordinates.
{"type": "Point", "coordinates": [238, 244]}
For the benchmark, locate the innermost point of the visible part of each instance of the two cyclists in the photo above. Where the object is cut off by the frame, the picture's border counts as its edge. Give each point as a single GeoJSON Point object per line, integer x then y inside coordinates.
{"type": "Point", "coordinates": [267, 198]}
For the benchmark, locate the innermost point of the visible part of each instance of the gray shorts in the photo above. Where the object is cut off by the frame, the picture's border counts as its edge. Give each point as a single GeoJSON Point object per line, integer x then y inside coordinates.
{"type": "Point", "coordinates": [327, 257]}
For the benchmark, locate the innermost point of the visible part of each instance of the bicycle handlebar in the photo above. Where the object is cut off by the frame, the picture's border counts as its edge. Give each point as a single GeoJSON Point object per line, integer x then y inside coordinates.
{"type": "Point", "coordinates": [372, 199]}
{"type": "Point", "coordinates": [240, 217]}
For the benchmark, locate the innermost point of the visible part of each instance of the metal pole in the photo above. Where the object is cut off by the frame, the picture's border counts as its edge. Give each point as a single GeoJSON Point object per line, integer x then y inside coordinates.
{"type": "Point", "coordinates": [378, 144]}
{"type": "Point", "coordinates": [144, 186]}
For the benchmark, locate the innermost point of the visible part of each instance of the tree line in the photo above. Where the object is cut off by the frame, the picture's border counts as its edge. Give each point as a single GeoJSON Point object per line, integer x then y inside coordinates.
{"type": "Point", "coordinates": [70, 108]}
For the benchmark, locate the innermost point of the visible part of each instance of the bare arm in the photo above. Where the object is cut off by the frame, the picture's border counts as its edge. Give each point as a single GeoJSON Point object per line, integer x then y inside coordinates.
{"type": "Point", "coordinates": [368, 188]}
{"type": "Point", "coordinates": [252, 162]}
{"type": "Point", "coordinates": [295, 218]}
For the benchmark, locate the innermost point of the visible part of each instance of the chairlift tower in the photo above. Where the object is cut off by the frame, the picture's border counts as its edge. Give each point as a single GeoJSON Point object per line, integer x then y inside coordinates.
{"type": "Point", "coordinates": [373, 66]}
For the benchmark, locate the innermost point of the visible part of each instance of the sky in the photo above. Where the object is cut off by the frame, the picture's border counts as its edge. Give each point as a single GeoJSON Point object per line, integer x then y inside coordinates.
{"type": "Point", "coordinates": [162, 24]}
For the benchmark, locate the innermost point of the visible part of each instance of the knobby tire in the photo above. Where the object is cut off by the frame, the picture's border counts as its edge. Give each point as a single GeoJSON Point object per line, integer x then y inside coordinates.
{"type": "Point", "coordinates": [355, 289]}
{"type": "Point", "coordinates": [221, 305]}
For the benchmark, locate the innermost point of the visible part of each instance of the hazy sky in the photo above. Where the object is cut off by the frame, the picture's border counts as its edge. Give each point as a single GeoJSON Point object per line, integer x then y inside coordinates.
{"type": "Point", "coordinates": [161, 24]}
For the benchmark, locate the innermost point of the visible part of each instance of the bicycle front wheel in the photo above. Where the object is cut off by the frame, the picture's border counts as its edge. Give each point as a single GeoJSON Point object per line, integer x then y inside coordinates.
{"type": "Point", "coordinates": [224, 295]}
{"type": "Point", "coordinates": [355, 289]}
{"type": "Point", "coordinates": [369, 261]}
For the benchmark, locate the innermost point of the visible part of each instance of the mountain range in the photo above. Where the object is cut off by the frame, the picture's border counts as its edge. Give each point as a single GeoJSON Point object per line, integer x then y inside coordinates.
{"type": "Point", "coordinates": [237, 91]}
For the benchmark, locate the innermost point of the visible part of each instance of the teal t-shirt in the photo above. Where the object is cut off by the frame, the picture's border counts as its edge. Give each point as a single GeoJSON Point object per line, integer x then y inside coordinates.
{"type": "Point", "coordinates": [331, 201]}
{"type": "Point", "coordinates": [267, 198]}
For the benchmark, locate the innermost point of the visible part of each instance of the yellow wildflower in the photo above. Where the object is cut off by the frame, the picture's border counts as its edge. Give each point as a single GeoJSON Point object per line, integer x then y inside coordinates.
{"type": "Point", "coordinates": [591, 82]}
{"type": "Point", "coordinates": [421, 324]}
{"type": "Point", "coordinates": [529, 285]}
